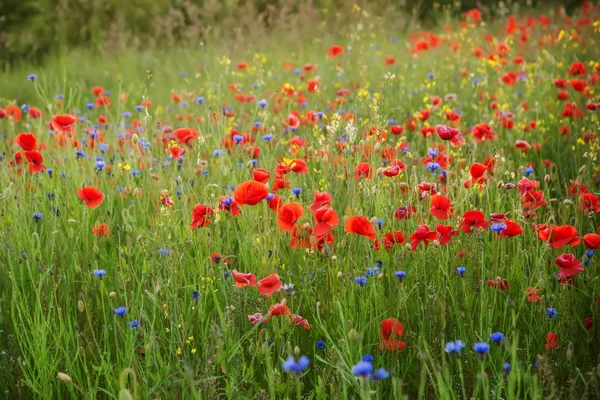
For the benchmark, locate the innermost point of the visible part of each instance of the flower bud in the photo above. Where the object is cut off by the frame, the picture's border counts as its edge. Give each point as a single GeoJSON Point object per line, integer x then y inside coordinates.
{"type": "Point", "coordinates": [64, 378]}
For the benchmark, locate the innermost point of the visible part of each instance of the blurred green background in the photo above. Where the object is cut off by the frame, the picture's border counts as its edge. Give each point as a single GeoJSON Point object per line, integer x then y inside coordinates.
{"type": "Point", "coordinates": [32, 29]}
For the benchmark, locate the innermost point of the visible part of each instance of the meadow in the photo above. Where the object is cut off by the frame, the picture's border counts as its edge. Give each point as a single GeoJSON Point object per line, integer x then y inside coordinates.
{"type": "Point", "coordinates": [364, 213]}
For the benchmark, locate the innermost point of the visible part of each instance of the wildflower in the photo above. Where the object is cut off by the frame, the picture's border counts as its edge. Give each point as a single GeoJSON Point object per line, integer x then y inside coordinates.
{"type": "Point", "coordinates": [506, 368]}
{"type": "Point", "coordinates": [120, 311]}
{"type": "Point", "coordinates": [390, 331]}
{"type": "Point", "coordinates": [367, 358]}
{"type": "Point", "coordinates": [37, 216]}
{"type": "Point", "coordinates": [400, 275]}
{"type": "Point", "coordinates": [263, 103]}
{"type": "Point", "coordinates": [291, 365]}
{"type": "Point", "coordinates": [361, 280]}
{"type": "Point", "coordinates": [250, 193]}
{"type": "Point", "coordinates": [196, 295]}
{"type": "Point", "coordinates": [362, 368]}
{"type": "Point", "coordinates": [551, 313]}
{"type": "Point", "coordinates": [461, 271]}
{"type": "Point", "coordinates": [269, 285]}
{"type": "Point", "coordinates": [497, 337]}
{"type": "Point", "coordinates": [92, 196]}
{"type": "Point", "coordinates": [320, 345]}
{"type": "Point", "coordinates": [99, 273]}
{"type": "Point", "coordinates": [454, 347]}
{"type": "Point", "coordinates": [551, 341]}
{"type": "Point", "coordinates": [199, 100]}
{"type": "Point", "coordinates": [481, 348]}
{"type": "Point", "coordinates": [134, 324]}
{"type": "Point", "coordinates": [163, 252]}
{"type": "Point", "coordinates": [381, 373]}
{"type": "Point", "coordinates": [289, 289]}
{"type": "Point", "coordinates": [498, 227]}
{"type": "Point", "coordinates": [360, 226]}
{"type": "Point", "coordinates": [31, 77]}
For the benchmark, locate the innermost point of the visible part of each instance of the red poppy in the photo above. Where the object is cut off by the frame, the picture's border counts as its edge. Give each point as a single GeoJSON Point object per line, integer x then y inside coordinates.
{"type": "Point", "coordinates": [440, 206]}
{"type": "Point", "coordinates": [229, 204]}
{"type": "Point", "coordinates": [422, 234]}
{"type": "Point", "coordinates": [532, 295]}
{"type": "Point", "coordinates": [101, 230]}
{"type": "Point", "coordinates": [201, 216]}
{"type": "Point", "coordinates": [35, 159]}
{"type": "Point", "coordinates": [551, 341]}
{"type": "Point", "coordinates": [269, 285]}
{"type": "Point", "coordinates": [288, 214]}
{"type": "Point", "coordinates": [261, 175]}
{"type": "Point", "coordinates": [592, 241]}
{"type": "Point", "coordinates": [473, 219]}
{"type": "Point", "coordinates": [27, 141]}
{"type": "Point", "coordinates": [13, 111]}
{"type": "Point", "coordinates": [250, 193]}
{"type": "Point", "coordinates": [451, 134]}
{"type": "Point", "coordinates": [255, 318]}
{"type": "Point", "coordinates": [392, 238]}
{"type": "Point", "coordinates": [185, 135]}
{"type": "Point", "coordinates": [363, 170]}
{"type": "Point", "coordinates": [588, 202]}
{"type": "Point", "coordinates": [321, 199]}
{"type": "Point", "coordinates": [243, 279]}
{"type": "Point", "coordinates": [335, 50]}
{"type": "Point", "coordinates": [63, 123]}
{"type": "Point", "coordinates": [390, 331]}
{"type": "Point", "coordinates": [445, 233]}
{"type": "Point", "coordinates": [98, 90]}
{"type": "Point", "coordinates": [326, 219]}
{"type": "Point", "coordinates": [558, 236]}
{"type": "Point", "coordinates": [103, 101]}
{"type": "Point", "coordinates": [275, 202]}
{"type": "Point", "coordinates": [92, 196]}
{"type": "Point", "coordinates": [588, 323]}
{"type": "Point", "coordinates": [482, 132]}
{"type": "Point", "coordinates": [578, 68]}
{"type": "Point", "coordinates": [512, 229]}
{"type": "Point", "coordinates": [299, 321]}
{"type": "Point", "coordinates": [278, 309]}
{"type": "Point", "coordinates": [404, 212]}
{"type": "Point", "coordinates": [176, 152]}
{"type": "Point", "coordinates": [498, 283]}
{"type": "Point", "coordinates": [360, 226]}
{"type": "Point", "coordinates": [569, 267]}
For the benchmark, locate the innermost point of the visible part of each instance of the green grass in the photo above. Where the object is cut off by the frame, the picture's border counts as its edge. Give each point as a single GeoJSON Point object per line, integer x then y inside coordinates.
{"type": "Point", "coordinates": [56, 316]}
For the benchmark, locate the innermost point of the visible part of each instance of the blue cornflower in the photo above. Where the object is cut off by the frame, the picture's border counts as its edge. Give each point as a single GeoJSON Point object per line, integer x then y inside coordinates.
{"type": "Point", "coordinates": [381, 373]}
{"type": "Point", "coordinates": [50, 171]}
{"type": "Point", "coordinates": [400, 275]}
{"type": "Point", "coordinates": [497, 337]}
{"type": "Point", "coordinates": [32, 77]}
{"type": "Point", "coordinates": [590, 253]}
{"type": "Point", "coordinates": [367, 358]}
{"type": "Point", "coordinates": [139, 108]}
{"type": "Point", "coordinates": [79, 154]}
{"type": "Point", "coordinates": [461, 270]}
{"type": "Point", "coordinates": [263, 103]}
{"type": "Point", "coordinates": [238, 138]}
{"type": "Point", "coordinates": [120, 311]}
{"type": "Point", "coordinates": [528, 171]}
{"type": "Point", "coordinates": [199, 100]}
{"type": "Point", "coordinates": [481, 347]}
{"type": "Point", "coordinates": [59, 96]}
{"type": "Point", "coordinates": [552, 313]}
{"type": "Point", "coordinates": [362, 368]}
{"type": "Point", "coordinates": [100, 164]}
{"type": "Point", "coordinates": [126, 114]}
{"type": "Point", "coordinates": [297, 191]}
{"type": "Point", "coordinates": [135, 172]}
{"type": "Point", "coordinates": [267, 137]}
{"type": "Point", "coordinates": [163, 252]}
{"type": "Point", "coordinates": [380, 223]}
{"type": "Point", "coordinates": [25, 107]}
{"type": "Point", "coordinates": [297, 71]}
{"type": "Point", "coordinates": [361, 280]}
{"type": "Point", "coordinates": [196, 295]}
{"type": "Point", "coordinates": [99, 273]}
{"type": "Point", "coordinates": [134, 324]}
{"type": "Point", "coordinates": [432, 166]}
{"type": "Point", "coordinates": [476, 80]}
{"type": "Point", "coordinates": [373, 271]}
{"type": "Point", "coordinates": [90, 106]}
{"type": "Point", "coordinates": [37, 216]}
{"type": "Point", "coordinates": [218, 152]}
{"type": "Point", "coordinates": [431, 75]}
{"type": "Point", "coordinates": [320, 344]}
{"type": "Point", "coordinates": [291, 365]}
{"type": "Point", "coordinates": [498, 227]}
{"type": "Point", "coordinates": [270, 196]}
{"type": "Point", "coordinates": [432, 153]}
{"type": "Point", "coordinates": [455, 347]}
{"type": "Point", "coordinates": [506, 368]}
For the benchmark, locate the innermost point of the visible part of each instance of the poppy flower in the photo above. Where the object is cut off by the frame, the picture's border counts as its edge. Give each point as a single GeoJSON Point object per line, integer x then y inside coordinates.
{"type": "Point", "coordinates": [288, 214]}
{"type": "Point", "coordinates": [250, 193]}
{"type": "Point", "coordinates": [255, 318]}
{"type": "Point", "coordinates": [498, 283]}
{"type": "Point", "coordinates": [360, 226]}
{"type": "Point", "coordinates": [477, 172]}
{"type": "Point", "coordinates": [269, 285]}
{"type": "Point", "coordinates": [292, 121]}
{"type": "Point", "coordinates": [26, 141]}
{"type": "Point", "coordinates": [578, 68]}
{"type": "Point", "coordinates": [588, 323]}
{"type": "Point", "coordinates": [445, 233]}
{"type": "Point", "coordinates": [63, 123]}
{"type": "Point", "coordinates": [185, 135]}
{"type": "Point", "coordinates": [101, 230]}
{"type": "Point", "coordinates": [201, 216]}
{"type": "Point", "coordinates": [35, 159]}
{"type": "Point", "coordinates": [422, 234]}
{"type": "Point", "coordinates": [261, 175]}
{"type": "Point", "coordinates": [243, 279]}
{"type": "Point", "coordinates": [551, 341]}
{"type": "Point", "coordinates": [404, 212]}
{"type": "Point", "coordinates": [569, 267]}
{"type": "Point", "coordinates": [335, 51]}
{"type": "Point", "coordinates": [389, 332]}
{"type": "Point", "coordinates": [176, 152]}
{"type": "Point", "coordinates": [274, 202]}
{"type": "Point", "coordinates": [363, 170]}
{"type": "Point", "coordinates": [512, 229]}
{"type": "Point", "coordinates": [592, 241]}
{"type": "Point", "coordinates": [440, 206]}
{"type": "Point", "coordinates": [558, 236]}
{"type": "Point", "coordinates": [392, 238]}
{"type": "Point", "coordinates": [92, 196]}
{"type": "Point", "coordinates": [13, 111]}
{"type": "Point", "coordinates": [532, 295]}
{"type": "Point", "coordinates": [299, 321]}
{"type": "Point", "coordinates": [230, 205]}
{"type": "Point", "coordinates": [279, 309]}
{"type": "Point", "coordinates": [298, 166]}
{"type": "Point", "coordinates": [326, 219]}
{"type": "Point", "coordinates": [451, 134]}
{"type": "Point", "coordinates": [321, 199]}
{"type": "Point", "coordinates": [98, 90]}
{"type": "Point", "coordinates": [482, 132]}
{"type": "Point", "coordinates": [588, 202]}
{"type": "Point", "coordinates": [473, 219]}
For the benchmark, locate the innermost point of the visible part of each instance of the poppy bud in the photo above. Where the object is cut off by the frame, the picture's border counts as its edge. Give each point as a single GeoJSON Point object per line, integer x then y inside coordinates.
{"type": "Point", "coordinates": [582, 170]}
{"type": "Point", "coordinates": [435, 243]}
{"type": "Point", "coordinates": [353, 335]}
{"type": "Point", "coordinates": [509, 186]}
{"type": "Point", "coordinates": [373, 220]}
{"type": "Point", "coordinates": [569, 354]}
{"type": "Point", "coordinates": [547, 178]}
{"type": "Point", "coordinates": [554, 200]}
{"type": "Point", "coordinates": [379, 171]}
{"type": "Point", "coordinates": [340, 275]}
{"type": "Point", "coordinates": [306, 226]}
{"type": "Point", "coordinates": [380, 276]}
{"type": "Point", "coordinates": [112, 295]}
{"type": "Point", "coordinates": [500, 184]}
{"type": "Point", "coordinates": [64, 377]}
{"type": "Point", "coordinates": [334, 258]}
{"type": "Point", "coordinates": [72, 221]}
{"type": "Point", "coordinates": [377, 146]}
{"type": "Point", "coordinates": [297, 350]}
{"type": "Point", "coordinates": [408, 246]}
{"type": "Point", "coordinates": [140, 238]}
{"type": "Point", "coordinates": [135, 139]}
{"type": "Point", "coordinates": [567, 202]}
{"type": "Point", "coordinates": [81, 306]}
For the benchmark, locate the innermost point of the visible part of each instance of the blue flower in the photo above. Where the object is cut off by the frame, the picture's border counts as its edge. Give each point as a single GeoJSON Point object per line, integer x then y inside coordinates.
{"type": "Point", "coordinates": [163, 252]}
{"type": "Point", "coordinates": [263, 103]}
{"type": "Point", "coordinates": [431, 75]}
{"type": "Point", "coordinates": [528, 171]}
{"type": "Point", "coordinates": [196, 295]}
{"type": "Point", "coordinates": [267, 137]}
{"type": "Point", "coordinates": [25, 107]}
{"type": "Point", "coordinates": [120, 311]}
{"type": "Point", "coordinates": [362, 368]}
{"type": "Point", "coordinates": [50, 171]}
{"type": "Point", "coordinates": [37, 216]}
{"type": "Point", "coordinates": [32, 77]}
{"type": "Point", "coordinates": [552, 313]}
{"type": "Point", "coordinates": [506, 368]}
{"type": "Point", "coordinates": [218, 152]}
{"type": "Point", "coordinates": [380, 223]}
{"type": "Point", "coordinates": [297, 191]}
{"type": "Point", "coordinates": [80, 154]}
{"type": "Point", "coordinates": [497, 337]}
{"type": "Point", "coordinates": [320, 344]}
{"type": "Point", "coordinates": [361, 280]}
{"type": "Point", "coordinates": [367, 358]}
{"type": "Point", "coordinates": [381, 373]}
{"type": "Point", "coordinates": [199, 100]}
{"type": "Point", "coordinates": [89, 106]}
{"type": "Point", "coordinates": [481, 347]}
{"type": "Point", "coordinates": [432, 153]}
{"type": "Point", "coordinates": [100, 164]}
{"type": "Point", "coordinates": [461, 270]}
{"type": "Point", "coordinates": [238, 138]}
{"type": "Point", "coordinates": [291, 365]}
{"type": "Point", "coordinates": [455, 347]}
{"type": "Point", "coordinates": [134, 324]}
{"type": "Point", "coordinates": [400, 275]}
{"type": "Point", "coordinates": [432, 166]}
{"type": "Point", "coordinates": [99, 273]}
{"type": "Point", "coordinates": [498, 227]}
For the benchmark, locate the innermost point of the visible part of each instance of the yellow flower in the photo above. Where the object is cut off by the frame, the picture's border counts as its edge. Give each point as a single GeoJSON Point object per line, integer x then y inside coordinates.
{"type": "Point", "coordinates": [178, 350]}
{"type": "Point", "coordinates": [194, 351]}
